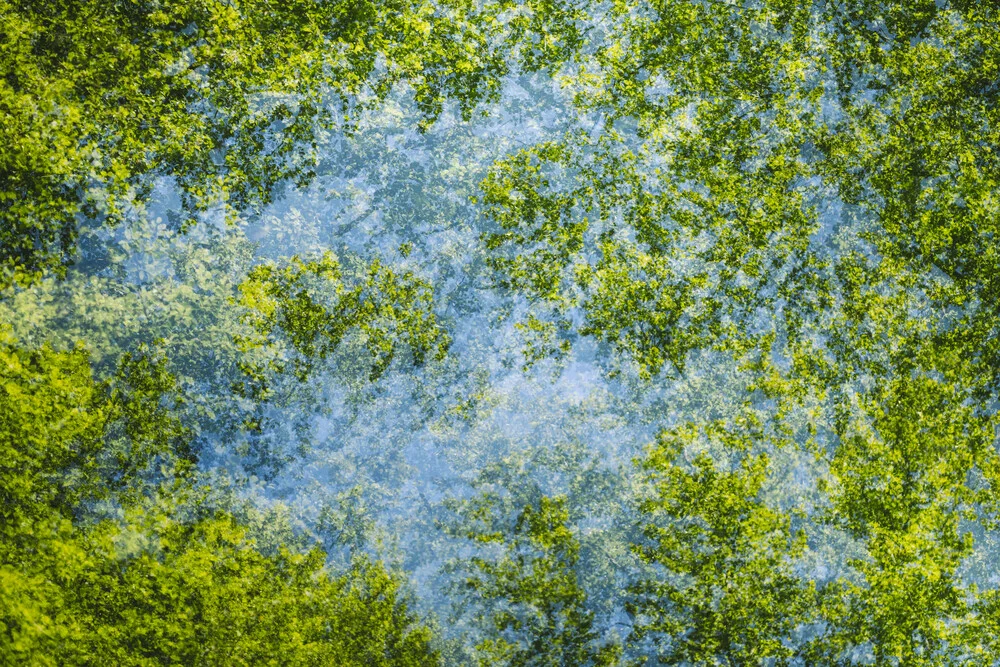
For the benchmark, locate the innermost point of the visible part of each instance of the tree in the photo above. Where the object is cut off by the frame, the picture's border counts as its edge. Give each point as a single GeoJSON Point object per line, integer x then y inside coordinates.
{"type": "Point", "coordinates": [99, 99]}
{"type": "Point", "coordinates": [529, 596]}
{"type": "Point", "coordinates": [801, 195]}
{"type": "Point", "coordinates": [102, 562]}
{"type": "Point", "coordinates": [203, 594]}
{"type": "Point", "coordinates": [722, 589]}
{"type": "Point", "coordinates": [807, 188]}
{"type": "Point", "coordinates": [311, 305]}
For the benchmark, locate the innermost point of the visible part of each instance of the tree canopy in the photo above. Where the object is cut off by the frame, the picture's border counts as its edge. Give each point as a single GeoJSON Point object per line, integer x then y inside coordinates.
{"type": "Point", "coordinates": [507, 333]}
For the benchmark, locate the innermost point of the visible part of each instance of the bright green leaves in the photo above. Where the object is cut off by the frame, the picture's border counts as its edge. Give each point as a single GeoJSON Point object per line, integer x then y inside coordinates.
{"type": "Point", "coordinates": [171, 582]}
{"type": "Point", "coordinates": [206, 595]}
{"type": "Point", "coordinates": [529, 594]}
{"type": "Point", "coordinates": [546, 33]}
{"type": "Point", "coordinates": [145, 439]}
{"type": "Point", "coordinates": [727, 592]}
{"type": "Point", "coordinates": [659, 260]}
{"type": "Point", "coordinates": [806, 190]}
{"type": "Point", "coordinates": [517, 195]}
{"type": "Point", "coordinates": [314, 307]}
{"type": "Point", "coordinates": [67, 438]}
{"type": "Point", "coordinates": [644, 308]}
{"type": "Point", "coordinates": [810, 189]}
{"type": "Point", "coordinates": [915, 451]}
{"type": "Point", "coordinates": [677, 217]}
{"type": "Point", "coordinates": [52, 420]}
{"type": "Point", "coordinates": [708, 569]}
{"type": "Point", "coordinates": [229, 99]}
{"type": "Point", "coordinates": [67, 441]}
{"type": "Point", "coordinates": [52, 417]}
{"type": "Point", "coordinates": [905, 485]}
{"type": "Point", "coordinates": [918, 155]}
{"type": "Point", "coordinates": [200, 593]}
{"type": "Point", "coordinates": [669, 53]}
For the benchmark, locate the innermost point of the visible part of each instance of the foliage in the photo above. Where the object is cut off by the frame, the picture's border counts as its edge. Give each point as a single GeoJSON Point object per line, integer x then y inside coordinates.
{"type": "Point", "coordinates": [531, 599]}
{"type": "Point", "coordinates": [68, 439]}
{"type": "Point", "coordinates": [205, 595]}
{"type": "Point", "coordinates": [776, 221]}
{"type": "Point", "coordinates": [229, 99]}
{"type": "Point", "coordinates": [156, 587]}
{"type": "Point", "coordinates": [310, 304]}
{"type": "Point", "coordinates": [670, 235]}
{"type": "Point", "coordinates": [725, 590]}
{"type": "Point", "coordinates": [808, 188]}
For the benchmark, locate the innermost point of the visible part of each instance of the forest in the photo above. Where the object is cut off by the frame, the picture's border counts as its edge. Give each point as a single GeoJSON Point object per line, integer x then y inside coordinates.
{"type": "Point", "coordinates": [534, 333]}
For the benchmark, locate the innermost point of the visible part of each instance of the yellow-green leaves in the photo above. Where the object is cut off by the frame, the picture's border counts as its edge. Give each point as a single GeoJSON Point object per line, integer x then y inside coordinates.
{"type": "Point", "coordinates": [313, 307]}
{"type": "Point", "coordinates": [229, 99]}
{"type": "Point", "coordinates": [529, 597]}
{"type": "Point", "coordinates": [206, 595]}
{"type": "Point", "coordinates": [726, 591]}
{"type": "Point", "coordinates": [810, 189]}
{"type": "Point", "coordinates": [155, 580]}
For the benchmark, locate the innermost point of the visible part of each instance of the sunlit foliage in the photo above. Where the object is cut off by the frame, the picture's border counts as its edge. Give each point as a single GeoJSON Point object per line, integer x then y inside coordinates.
{"type": "Point", "coordinates": [768, 229]}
